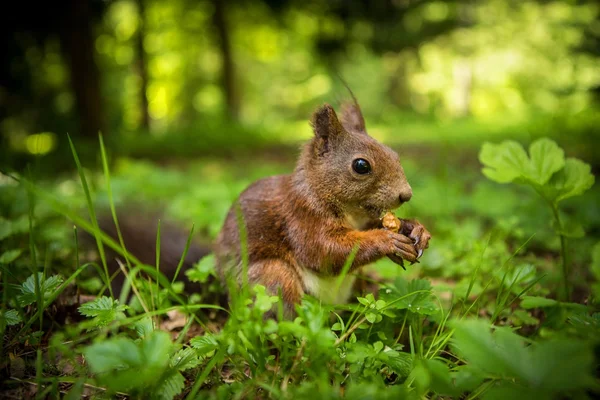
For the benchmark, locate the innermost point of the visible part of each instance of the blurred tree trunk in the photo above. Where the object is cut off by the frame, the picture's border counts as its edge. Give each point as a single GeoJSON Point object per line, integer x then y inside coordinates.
{"type": "Point", "coordinates": [228, 81]}
{"type": "Point", "coordinates": [142, 68]}
{"type": "Point", "coordinates": [77, 44]}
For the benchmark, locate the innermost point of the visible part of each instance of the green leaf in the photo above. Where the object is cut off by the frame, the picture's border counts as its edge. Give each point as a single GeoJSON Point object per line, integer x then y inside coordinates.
{"type": "Point", "coordinates": [501, 353]}
{"type": "Point", "coordinates": [503, 162]}
{"type": "Point", "coordinates": [508, 162]}
{"type": "Point", "coordinates": [170, 386]}
{"type": "Point", "coordinates": [336, 327]}
{"type": "Point", "coordinates": [562, 365]}
{"type": "Point", "coordinates": [371, 317]}
{"type": "Point", "coordinates": [184, 359]}
{"type": "Point", "coordinates": [143, 327]}
{"type": "Point", "coordinates": [536, 302]}
{"type": "Point", "coordinates": [574, 179]}
{"type": "Point", "coordinates": [104, 309]}
{"type": "Point", "coordinates": [399, 362]}
{"type": "Point", "coordinates": [546, 159]}
{"type": "Point", "coordinates": [377, 346]}
{"type": "Point", "coordinates": [203, 269]}
{"type": "Point", "coordinates": [363, 301]}
{"type": "Point", "coordinates": [204, 344]}
{"type": "Point", "coordinates": [414, 296]}
{"type": "Point", "coordinates": [467, 378]}
{"type": "Point", "coordinates": [11, 317]}
{"type": "Point", "coordinates": [122, 364]}
{"type": "Point", "coordinates": [509, 390]}
{"type": "Point", "coordinates": [441, 380]}
{"type": "Point", "coordinates": [47, 288]}
{"type": "Point", "coordinates": [9, 256]}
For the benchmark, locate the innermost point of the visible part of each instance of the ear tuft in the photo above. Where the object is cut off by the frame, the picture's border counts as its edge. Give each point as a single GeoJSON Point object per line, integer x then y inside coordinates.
{"type": "Point", "coordinates": [327, 128]}
{"type": "Point", "coordinates": [325, 122]}
{"type": "Point", "coordinates": [352, 118]}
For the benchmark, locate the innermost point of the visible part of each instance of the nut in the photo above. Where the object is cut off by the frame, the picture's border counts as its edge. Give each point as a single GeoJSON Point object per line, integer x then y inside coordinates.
{"type": "Point", "coordinates": [391, 222]}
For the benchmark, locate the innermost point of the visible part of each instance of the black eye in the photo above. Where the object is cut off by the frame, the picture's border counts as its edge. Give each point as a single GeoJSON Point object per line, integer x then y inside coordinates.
{"type": "Point", "coordinates": [361, 166]}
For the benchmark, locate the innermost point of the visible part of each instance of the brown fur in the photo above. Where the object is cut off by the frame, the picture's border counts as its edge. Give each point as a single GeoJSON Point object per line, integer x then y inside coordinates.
{"type": "Point", "coordinates": [312, 219]}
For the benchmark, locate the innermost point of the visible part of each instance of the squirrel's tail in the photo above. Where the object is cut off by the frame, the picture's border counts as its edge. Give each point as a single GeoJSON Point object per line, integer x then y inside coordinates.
{"type": "Point", "coordinates": [139, 232]}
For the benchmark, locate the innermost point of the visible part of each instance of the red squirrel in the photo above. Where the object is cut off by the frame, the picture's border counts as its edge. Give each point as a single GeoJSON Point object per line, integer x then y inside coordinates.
{"type": "Point", "coordinates": [301, 228]}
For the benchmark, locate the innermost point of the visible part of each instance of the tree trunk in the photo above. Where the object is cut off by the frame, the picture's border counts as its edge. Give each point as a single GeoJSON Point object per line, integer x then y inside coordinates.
{"type": "Point", "coordinates": [142, 68]}
{"type": "Point", "coordinates": [78, 47]}
{"type": "Point", "coordinates": [228, 81]}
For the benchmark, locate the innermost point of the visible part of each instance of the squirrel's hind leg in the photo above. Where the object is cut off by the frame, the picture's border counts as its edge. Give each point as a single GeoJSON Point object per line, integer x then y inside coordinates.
{"type": "Point", "coordinates": [278, 277]}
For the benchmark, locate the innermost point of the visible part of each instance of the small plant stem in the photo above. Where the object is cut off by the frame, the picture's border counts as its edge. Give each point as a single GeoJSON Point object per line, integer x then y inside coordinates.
{"type": "Point", "coordinates": [349, 332]}
{"type": "Point", "coordinates": [563, 253]}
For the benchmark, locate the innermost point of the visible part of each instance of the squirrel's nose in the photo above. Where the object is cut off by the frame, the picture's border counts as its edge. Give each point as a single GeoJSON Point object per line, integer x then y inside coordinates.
{"type": "Point", "coordinates": [405, 196]}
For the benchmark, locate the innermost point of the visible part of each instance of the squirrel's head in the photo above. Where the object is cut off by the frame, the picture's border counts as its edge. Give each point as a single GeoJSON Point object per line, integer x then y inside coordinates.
{"type": "Point", "coordinates": [351, 169]}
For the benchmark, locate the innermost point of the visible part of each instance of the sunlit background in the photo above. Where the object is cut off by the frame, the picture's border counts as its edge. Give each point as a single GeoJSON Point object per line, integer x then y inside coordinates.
{"type": "Point", "coordinates": [221, 75]}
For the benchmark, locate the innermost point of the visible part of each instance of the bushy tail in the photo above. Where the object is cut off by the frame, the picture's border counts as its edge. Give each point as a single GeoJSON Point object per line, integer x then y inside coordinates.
{"type": "Point", "coordinates": [139, 230]}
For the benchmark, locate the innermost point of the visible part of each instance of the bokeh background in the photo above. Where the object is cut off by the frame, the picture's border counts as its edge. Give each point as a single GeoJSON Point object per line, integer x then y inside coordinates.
{"type": "Point", "coordinates": [189, 78]}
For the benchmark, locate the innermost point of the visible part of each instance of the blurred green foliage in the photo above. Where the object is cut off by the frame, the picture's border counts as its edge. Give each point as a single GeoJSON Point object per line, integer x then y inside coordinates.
{"type": "Point", "coordinates": [427, 71]}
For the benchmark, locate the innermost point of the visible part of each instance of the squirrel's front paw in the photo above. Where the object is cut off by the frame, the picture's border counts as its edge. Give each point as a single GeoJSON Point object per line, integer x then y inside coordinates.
{"type": "Point", "coordinates": [401, 248]}
{"type": "Point", "coordinates": [418, 233]}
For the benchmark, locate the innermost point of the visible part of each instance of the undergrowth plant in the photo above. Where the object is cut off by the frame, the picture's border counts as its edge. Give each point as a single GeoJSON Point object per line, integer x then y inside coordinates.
{"type": "Point", "coordinates": [552, 176]}
{"type": "Point", "coordinates": [403, 340]}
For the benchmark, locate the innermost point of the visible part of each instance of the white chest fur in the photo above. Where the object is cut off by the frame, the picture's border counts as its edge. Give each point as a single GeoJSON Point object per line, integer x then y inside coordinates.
{"type": "Point", "coordinates": [325, 288]}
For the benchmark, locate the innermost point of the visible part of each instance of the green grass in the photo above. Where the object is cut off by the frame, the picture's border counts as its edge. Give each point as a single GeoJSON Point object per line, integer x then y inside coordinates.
{"type": "Point", "coordinates": [478, 317]}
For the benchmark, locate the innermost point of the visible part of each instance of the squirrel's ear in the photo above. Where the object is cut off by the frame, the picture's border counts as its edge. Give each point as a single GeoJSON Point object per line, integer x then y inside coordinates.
{"type": "Point", "coordinates": [326, 126]}
{"type": "Point", "coordinates": [352, 118]}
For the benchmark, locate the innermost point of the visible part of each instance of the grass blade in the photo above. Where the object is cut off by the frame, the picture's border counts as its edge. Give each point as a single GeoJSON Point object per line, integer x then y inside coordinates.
{"type": "Point", "coordinates": [92, 212]}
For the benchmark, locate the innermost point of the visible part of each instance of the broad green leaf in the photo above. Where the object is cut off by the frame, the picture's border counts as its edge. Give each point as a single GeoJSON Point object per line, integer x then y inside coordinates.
{"type": "Point", "coordinates": [171, 386]}
{"type": "Point", "coordinates": [47, 287]}
{"type": "Point", "coordinates": [503, 162]}
{"type": "Point", "coordinates": [184, 359]}
{"type": "Point", "coordinates": [441, 380]}
{"type": "Point", "coordinates": [546, 159]}
{"type": "Point", "coordinates": [9, 256]}
{"type": "Point", "coordinates": [143, 327]}
{"type": "Point", "coordinates": [574, 179]}
{"type": "Point", "coordinates": [535, 302]}
{"type": "Point", "coordinates": [501, 353]}
{"type": "Point", "coordinates": [562, 365]}
{"type": "Point", "coordinates": [108, 355]}
{"type": "Point", "coordinates": [123, 365]}
{"type": "Point", "coordinates": [400, 362]}
{"type": "Point", "coordinates": [11, 317]}
{"type": "Point", "coordinates": [508, 162]}
{"type": "Point", "coordinates": [156, 348]}
{"type": "Point", "coordinates": [467, 377]}
{"type": "Point", "coordinates": [99, 306]}
{"type": "Point", "coordinates": [414, 296]}
{"type": "Point", "coordinates": [508, 390]}
{"type": "Point", "coordinates": [104, 309]}
{"type": "Point", "coordinates": [204, 344]}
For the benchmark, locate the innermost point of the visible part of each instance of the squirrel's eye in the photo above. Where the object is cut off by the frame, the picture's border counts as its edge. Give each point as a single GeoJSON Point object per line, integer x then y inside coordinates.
{"type": "Point", "coordinates": [361, 166]}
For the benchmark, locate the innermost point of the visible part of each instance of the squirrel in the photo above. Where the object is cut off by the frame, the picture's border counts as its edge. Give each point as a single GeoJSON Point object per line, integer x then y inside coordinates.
{"type": "Point", "coordinates": [301, 228]}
